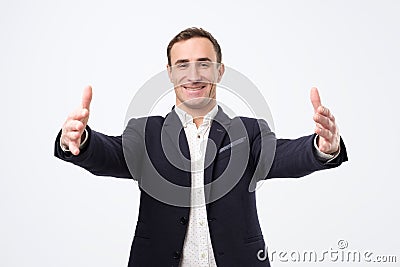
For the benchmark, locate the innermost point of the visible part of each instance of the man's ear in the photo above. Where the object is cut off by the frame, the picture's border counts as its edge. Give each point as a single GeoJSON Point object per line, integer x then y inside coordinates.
{"type": "Point", "coordinates": [221, 71]}
{"type": "Point", "coordinates": [169, 70]}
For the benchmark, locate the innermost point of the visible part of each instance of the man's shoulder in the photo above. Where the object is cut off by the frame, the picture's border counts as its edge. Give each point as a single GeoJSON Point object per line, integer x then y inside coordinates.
{"type": "Point", "coordinates": [147, 123]}
{"type": "Point", "coordinates": [248, 121]}
{"type": "Point", "coordinates": [251, 124]}
{"type": "Point", "coordinates": [146, 119]}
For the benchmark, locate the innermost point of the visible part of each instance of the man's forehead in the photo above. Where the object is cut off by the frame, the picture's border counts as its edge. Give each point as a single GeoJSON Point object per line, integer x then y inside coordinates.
{"type": "Point", "coordinates": [193, 49]}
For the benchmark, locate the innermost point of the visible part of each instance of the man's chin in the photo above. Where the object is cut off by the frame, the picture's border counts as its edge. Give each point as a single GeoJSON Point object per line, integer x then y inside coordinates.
{"type": "Point", "coordinates": [198, 103]}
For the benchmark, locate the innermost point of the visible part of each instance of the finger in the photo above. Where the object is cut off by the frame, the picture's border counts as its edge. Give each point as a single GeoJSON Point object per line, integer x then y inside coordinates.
{"type": "Point", "coordinates": [74, 125]}
{"type": "Point", "coordinates": [73, 136]}
{"type": "Point", "coordinates": [315, 99]}
{"type": "Point", "coordinates": [324, 133]}
{"type": "Point", "coordinates": [321, 119]}
{"type": "Point", "coordinates": [324, 122]}
{"type": "Point", "coordinates": [87, 97]}
{"type": "Point", "coordinates": [324, 111]}
{"type": "Point", "coordinates": [73, 147]}
{"type": "Point", "coordinates": [79, 114]}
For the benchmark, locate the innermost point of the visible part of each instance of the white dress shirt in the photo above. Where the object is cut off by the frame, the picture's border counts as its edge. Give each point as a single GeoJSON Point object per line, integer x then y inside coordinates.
{"type": "Point", "coordinates": [197, 247]}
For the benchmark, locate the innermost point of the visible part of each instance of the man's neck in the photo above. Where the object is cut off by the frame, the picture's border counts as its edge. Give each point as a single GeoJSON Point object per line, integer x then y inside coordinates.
{"type": "Point", "coordinates": [198, 114]}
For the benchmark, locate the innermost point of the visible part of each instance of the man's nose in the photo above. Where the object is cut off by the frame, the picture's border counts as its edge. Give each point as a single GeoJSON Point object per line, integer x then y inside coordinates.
{"type": "Point", "coordinates": [193, 73]}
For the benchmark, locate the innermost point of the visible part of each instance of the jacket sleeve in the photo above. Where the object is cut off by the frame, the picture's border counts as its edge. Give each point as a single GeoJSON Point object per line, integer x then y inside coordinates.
{"type": "Point", "coordinates": [105, 155]}
{"type": "Point", "coordinates": [288, 158]}
{"type": "Point", "coordinates": [297, 158]}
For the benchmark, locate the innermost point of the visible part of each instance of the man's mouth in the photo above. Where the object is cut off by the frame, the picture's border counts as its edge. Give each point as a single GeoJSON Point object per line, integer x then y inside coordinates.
{"type": "Point", "coordinates": [194, 88]}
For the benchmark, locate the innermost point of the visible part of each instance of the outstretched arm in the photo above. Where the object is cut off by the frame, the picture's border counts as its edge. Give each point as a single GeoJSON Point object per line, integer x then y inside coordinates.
{"type": "Point", "coordinates": [98, 153]}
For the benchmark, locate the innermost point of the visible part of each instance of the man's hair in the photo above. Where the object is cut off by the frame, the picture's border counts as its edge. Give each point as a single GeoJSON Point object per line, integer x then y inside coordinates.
{"type": "Point", "coordinates": [192, 33]}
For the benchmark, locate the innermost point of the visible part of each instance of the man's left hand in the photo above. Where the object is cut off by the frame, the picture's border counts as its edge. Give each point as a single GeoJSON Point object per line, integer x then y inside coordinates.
{"type": "Point", "coordinates": [326, 128]}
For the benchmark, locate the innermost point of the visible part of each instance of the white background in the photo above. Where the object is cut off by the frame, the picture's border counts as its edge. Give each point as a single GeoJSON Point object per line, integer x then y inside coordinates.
{"type": "Point", "coordinates": [56, 214]}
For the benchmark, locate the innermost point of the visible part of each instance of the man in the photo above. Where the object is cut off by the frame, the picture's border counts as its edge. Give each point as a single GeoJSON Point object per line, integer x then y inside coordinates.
{"type": "Point", "coordinates": [196, 208]}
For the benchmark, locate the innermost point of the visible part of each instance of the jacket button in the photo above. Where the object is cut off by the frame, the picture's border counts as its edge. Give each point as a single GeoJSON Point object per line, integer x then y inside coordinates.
{"type": "Point", "coordinates": [184, 220]}
{"type": "Point", "coordinates": [177, 254]}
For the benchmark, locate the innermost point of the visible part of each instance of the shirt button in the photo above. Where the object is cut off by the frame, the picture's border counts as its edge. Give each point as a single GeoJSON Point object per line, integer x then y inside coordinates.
{"type": "Point", "coordinates": [184, 220]}
{"type": "Point", "coordinates": [177, 254]}
{"type": "Point", "coordinates": [203, 255]}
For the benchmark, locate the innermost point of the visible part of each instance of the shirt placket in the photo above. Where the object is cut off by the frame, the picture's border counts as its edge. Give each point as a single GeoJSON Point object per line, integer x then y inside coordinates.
{"type": "Point", "coordinates": [200, 198]}
{"type": "Point", "coordinates": [200, 253]}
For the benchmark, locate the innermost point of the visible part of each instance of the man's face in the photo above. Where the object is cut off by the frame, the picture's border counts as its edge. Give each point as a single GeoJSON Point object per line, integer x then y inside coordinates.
{"type": "Point", "coordinates": [194, 72]}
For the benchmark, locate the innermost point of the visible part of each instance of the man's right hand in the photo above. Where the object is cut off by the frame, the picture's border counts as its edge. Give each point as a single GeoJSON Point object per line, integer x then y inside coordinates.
{"type": "Point", "coordinates": [74, 126]}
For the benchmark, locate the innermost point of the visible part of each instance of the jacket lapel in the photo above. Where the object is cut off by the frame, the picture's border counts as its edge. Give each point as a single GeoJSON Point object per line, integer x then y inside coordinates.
{"type": "Point", "coordinates": [176, 146]}
{"type": "Point", "coordinates": [219, 128]}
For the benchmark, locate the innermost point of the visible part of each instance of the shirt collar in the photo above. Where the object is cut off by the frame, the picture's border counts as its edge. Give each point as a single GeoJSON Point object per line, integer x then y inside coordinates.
{"type": "Point", "coordinates": [187, 118]}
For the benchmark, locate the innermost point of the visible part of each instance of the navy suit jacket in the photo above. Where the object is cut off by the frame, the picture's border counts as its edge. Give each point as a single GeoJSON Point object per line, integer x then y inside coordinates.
{"type": "Point", "coordinates": [154, 147]}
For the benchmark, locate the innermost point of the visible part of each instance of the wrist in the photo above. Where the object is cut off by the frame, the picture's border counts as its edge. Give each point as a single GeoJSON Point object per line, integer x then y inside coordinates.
{"type": "Point", "coordinates": [84, 138]}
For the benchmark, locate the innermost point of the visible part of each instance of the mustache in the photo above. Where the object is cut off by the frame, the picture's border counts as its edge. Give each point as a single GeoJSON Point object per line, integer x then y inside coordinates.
{"type": "Point", "coordinates": [195, 84]}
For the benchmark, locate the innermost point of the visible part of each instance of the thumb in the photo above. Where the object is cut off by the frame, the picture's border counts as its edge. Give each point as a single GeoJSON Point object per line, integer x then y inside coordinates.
{"type": "Point", "coordinates": [87, 97]}
{"type": "Point", "coordinates": [315, 99]}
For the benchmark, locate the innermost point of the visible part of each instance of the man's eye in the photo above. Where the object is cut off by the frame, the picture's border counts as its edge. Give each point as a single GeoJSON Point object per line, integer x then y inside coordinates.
{"type": "Point", "coordinates": [204, 64]}
{"type": "Point", "coordinates": [182, 65]}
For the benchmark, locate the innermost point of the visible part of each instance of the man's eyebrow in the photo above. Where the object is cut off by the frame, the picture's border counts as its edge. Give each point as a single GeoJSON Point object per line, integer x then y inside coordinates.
{"type": "Point", "coordinates": [181, 61]}
{"type": "Point", "coordinates": [187, 60]}
{"type": "Point", "coordinates": [204, 59]}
